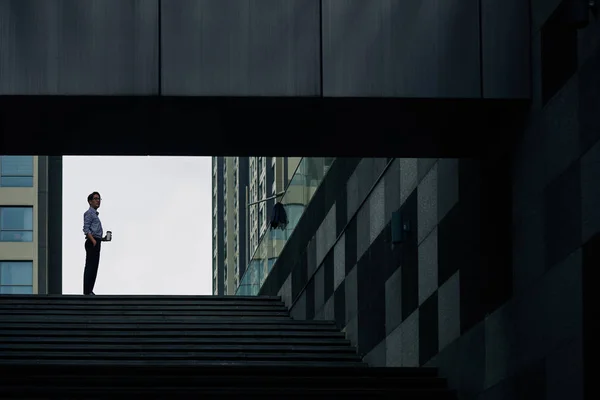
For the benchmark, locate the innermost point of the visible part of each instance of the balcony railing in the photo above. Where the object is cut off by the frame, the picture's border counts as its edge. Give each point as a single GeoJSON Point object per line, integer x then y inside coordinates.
{"type": "Point", "coordinates": [304, 183]}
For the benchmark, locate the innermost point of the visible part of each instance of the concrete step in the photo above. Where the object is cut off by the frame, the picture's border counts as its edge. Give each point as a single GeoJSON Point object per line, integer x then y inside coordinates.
{"type": "Point", "coordinates": [50, 354]}
{"type": "Point", "coordinates": [185, 363]}
{"type": "Point", "coordinates": [193, 324]}
{"type": "Point", "coordinates": [164, 318]}
{"type": "Point", "coordinates": [5, 306]}
{"type": "Point", "coordinates": [257, 347]}
{"type": "Point", "coordinates": [233, 372]}
{"type": "Point", "coordinates": [252, 381]}
{"type": "Point", "coordinates": [98, 331]}
{"type": "Point", "coordinates": [135, 298]}
{"type": "Point", "coordinates": [196, 341]}
{"type": "Point", "coordinates": [126, 313]}
{"type": "Point", "coordinates": [140, 300]}
{"type": "Point", "coordinates": [246, 393]}
{"type": "Point", "coordinates": [57, 347]}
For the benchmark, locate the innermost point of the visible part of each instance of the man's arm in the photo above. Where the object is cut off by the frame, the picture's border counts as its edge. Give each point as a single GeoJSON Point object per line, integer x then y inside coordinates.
{"type": "Point", "coordinates": [87, 225]}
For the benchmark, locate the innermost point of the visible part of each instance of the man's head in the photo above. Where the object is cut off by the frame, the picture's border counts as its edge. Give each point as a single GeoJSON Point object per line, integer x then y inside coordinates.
{"type": "Point", "coordinates": [94, 200]}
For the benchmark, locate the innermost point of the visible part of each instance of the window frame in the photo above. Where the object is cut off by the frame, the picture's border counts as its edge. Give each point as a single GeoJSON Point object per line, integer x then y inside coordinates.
{"type": "Point", "coordinates": [32, 230]}
{"type": "Point", "coordinates": [23, 175]}
{"type": "Point", "coordinates": [2, 285]}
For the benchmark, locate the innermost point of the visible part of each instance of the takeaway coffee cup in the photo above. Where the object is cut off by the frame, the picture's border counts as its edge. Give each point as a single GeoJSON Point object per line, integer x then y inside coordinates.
{"type": "Point", "coordinates": [108, 236]}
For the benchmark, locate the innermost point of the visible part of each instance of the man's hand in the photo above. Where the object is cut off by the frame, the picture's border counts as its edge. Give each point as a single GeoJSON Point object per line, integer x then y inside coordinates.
{"type": "Point", "coordinates": [92, 239]}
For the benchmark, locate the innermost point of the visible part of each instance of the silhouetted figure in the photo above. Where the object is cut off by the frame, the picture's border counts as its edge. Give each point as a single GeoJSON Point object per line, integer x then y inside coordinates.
{"type": "Point", "coordinates": [92, 228]}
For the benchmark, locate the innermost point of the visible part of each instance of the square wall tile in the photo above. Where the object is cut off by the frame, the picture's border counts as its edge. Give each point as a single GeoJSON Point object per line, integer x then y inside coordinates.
{"type": "Point", "coordinates": [310, 299]}
{"type": "Point", "coordinates": [339, 262]}
{"type": "Point", "coordinates": [393, 301]}
{"type": "Point", "coordinates": [286, 291]}
{"type": "Point", "coordinates": [560, 127]}
{"type": "Point", "coordinates": [410, 340]}
{"type": "Point", "coordinates": [351, 294]}
{"type": "Point", "coordinates": [371, 322]}
{"type": "Point", "coordinates": [529, 249]}
{"type": "Point", "coordinates": [311, 257]}
{"type": "Point", "coordinates": [562, 213]}
{"type": "Point", "coordinates": [363, 230]}
{"type": "Point", "coordinates": [298, 311]}
{"type": "Point", "coordinates": [350, 239]}
{"type": "Point", "coordinates": [590, 193]}
{"type": "Point", "coordinates": [351, 331]}
{"type": "Point", "coordinates": [500, 345]}
{"type": "Point", "coordinates": [341, 212]}
{"type": "Point", "coordinates": [339, 303]}
{"type": "Point", "coordinates": [329, 310]}
{"type": "Point", "coordinates": [392, 189]}
{"type": "Point", "coordinates": [565, 373]}
{"type": "Point", "coordinates": [393, 348]}
{"type": "Point", "coordinates": [376, 357]}
{"type": "Point", "coordinates": [328, 275]}
{"type": "Point", "coordinates": [428, 268]}
{"type": "Point", "coordinates": [326, 235]}
{"type": "Point", "coordinates": [319, 279]}
{"type": "Point", "coordinates": [423, 167]}
{"type": "Point", "coordinates": [427, 204]}
{"type": "Point", "coordinates": [408, 177]}
{"type": "Point", "coordinates": [428, 329]}
{"type": "Point", "coordinates": [471, 358]}
{"type": "Point", "coordinates": [352, 196]}
{"type": "Point", "coordinates": [449, 311]}
{"type": "Point", "coordinates": [447, 185]}
{"type": "Point", "coordinates": [531, 381]}
{"type": "Point", "coordinates": [365, 172]}
{"type": "Point", "coordinates": [377, 210]}
{"type": "Point", "coordinates": [551, 311]}
{"type": "Point", "coordinates": [299, 275]}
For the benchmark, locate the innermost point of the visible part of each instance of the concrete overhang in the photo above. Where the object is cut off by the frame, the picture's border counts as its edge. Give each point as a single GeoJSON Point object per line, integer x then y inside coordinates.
{"type": "Point", "coordinates": [244, 126]}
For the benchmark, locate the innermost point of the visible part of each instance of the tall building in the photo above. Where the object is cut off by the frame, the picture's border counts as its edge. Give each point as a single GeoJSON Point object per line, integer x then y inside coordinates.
{"type": "Point", "coordinates": [30, 225]}
{"type": "Point", "coordinates": [240, 211]}
{"type": "Point", "coordinates": [269, 176]}
{"type": "Point", "coordinates": [217, 225]}
{"type": "Point", "coordinates": [229, 183]}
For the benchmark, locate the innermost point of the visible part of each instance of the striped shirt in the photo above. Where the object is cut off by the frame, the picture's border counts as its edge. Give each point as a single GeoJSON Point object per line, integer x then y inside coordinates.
{"type": "Point", "coordinates": [92, 224]}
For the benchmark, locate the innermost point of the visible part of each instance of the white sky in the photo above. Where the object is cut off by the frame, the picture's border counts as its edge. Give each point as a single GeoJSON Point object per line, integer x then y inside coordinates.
{"type": "Point", "coordinates": [159, 210]}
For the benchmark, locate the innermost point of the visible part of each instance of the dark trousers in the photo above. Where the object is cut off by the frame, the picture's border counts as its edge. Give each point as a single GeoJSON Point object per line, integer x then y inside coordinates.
{"type": "Point", "coordinates": [92, 259]}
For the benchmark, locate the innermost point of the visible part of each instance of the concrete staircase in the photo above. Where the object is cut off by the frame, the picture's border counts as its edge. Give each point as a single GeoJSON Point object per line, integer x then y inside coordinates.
{"type": "Point", "coordinates": [68, 347]}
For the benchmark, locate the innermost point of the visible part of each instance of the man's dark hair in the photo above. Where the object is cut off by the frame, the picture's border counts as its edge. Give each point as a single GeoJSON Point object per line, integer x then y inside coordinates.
{"type": "Point", "coordinates": [91, 196]}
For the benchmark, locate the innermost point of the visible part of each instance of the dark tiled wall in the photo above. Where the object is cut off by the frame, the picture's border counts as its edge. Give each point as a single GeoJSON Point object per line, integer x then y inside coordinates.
{"type": "Point", "coordinates": [448, 295]}
{"type": "Point", "coordinates": [475, 284]}
{"type": "Point", "coordinates": [490, 284]}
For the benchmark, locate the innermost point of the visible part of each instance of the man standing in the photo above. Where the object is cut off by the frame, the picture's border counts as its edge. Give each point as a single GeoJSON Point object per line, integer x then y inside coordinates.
{"type": "Point", "coordinates": [92, 228]}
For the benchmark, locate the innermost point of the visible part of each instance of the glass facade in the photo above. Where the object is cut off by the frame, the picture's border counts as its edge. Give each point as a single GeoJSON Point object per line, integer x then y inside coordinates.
{"type": "Point", "coordinates": [304, 183]}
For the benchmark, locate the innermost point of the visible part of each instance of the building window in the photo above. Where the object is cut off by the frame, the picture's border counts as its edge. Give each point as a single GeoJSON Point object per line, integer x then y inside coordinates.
{"type": "Point", "coordinates": [16, 224]}
{"type": "Point", "coordinates": [16, 277]}
{"type": "Point", "coordinates": [16, 171]}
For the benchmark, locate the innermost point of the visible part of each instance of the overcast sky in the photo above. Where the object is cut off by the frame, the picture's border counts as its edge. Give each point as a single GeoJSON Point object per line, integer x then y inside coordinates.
{"type": "Point", "coordinates": [159, 211]}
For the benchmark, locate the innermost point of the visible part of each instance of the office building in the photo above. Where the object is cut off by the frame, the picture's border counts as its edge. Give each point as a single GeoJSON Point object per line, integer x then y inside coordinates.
{"type": "Point", "coordinates": [30, 224]}
{"type": "Point", "coordinates": [244, 192]}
